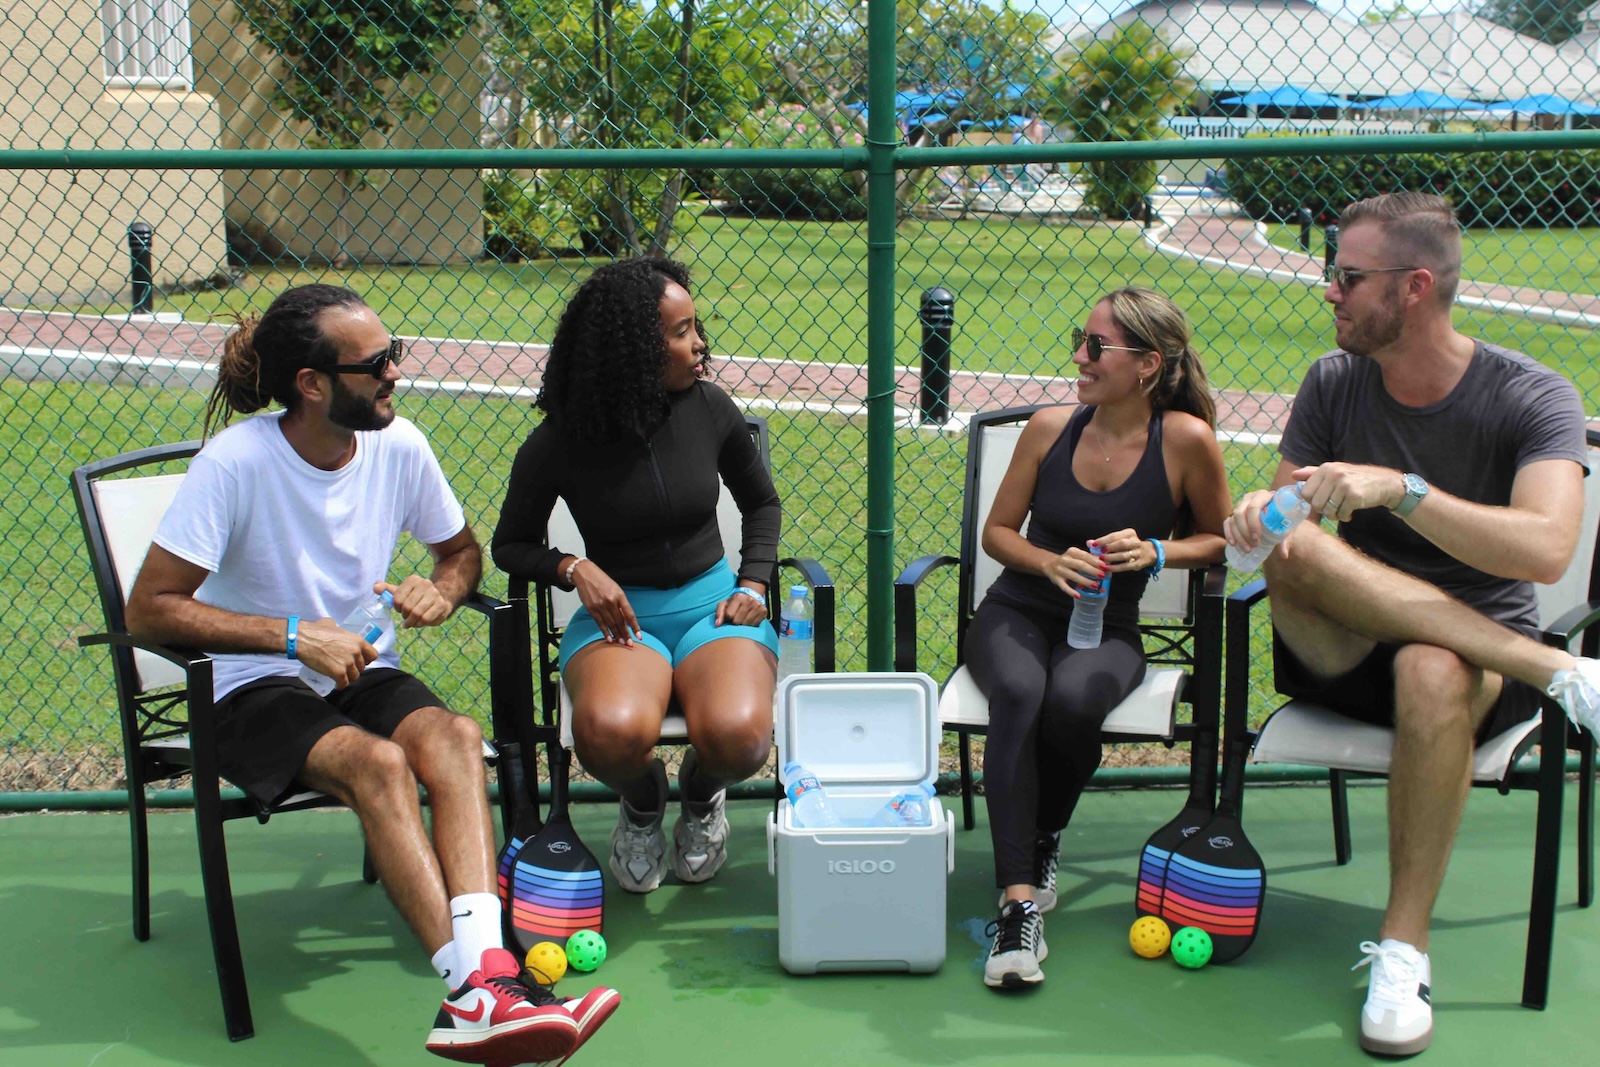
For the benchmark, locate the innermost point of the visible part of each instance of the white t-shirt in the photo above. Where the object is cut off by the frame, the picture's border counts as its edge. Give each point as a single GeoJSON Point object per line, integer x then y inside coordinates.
{"type": "Point", "coordinates": [282, 537]}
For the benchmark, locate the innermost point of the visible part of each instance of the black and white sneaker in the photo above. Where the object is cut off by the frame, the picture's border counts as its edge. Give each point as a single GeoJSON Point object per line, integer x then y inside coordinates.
{"type": "Point", "coordinates": [1018, 947]}
{"type": "Point", "coordinates": [1046, 856]}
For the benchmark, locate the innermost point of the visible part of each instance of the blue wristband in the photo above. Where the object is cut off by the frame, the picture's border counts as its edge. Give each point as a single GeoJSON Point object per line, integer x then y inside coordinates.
{"type": "Point", "coordinates": [1161, 560]}
{"type": "Point", "coordinates": [293, 638]}
{"type": "Point", "coordinates": [747, 591]}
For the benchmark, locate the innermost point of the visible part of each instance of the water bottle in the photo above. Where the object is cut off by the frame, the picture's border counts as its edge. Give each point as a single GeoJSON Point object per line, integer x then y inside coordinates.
{"type": "Point", "coordinates": [1083, 629]}
{"type": "Point", "coordinates": [1286, 510]}
{"type": "Point", "coordinates": [371, 621]}
{"type": "Point", "coordinates": [795, 633]}
{"type": "Point", "coordinates": [910, 808]}
{"type": "Point", "coordinates": [808, 804]}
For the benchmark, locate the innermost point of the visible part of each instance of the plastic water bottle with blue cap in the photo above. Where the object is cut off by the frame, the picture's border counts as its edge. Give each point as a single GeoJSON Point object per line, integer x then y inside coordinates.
{"type": "Point", "coordinates": [796, 633]}
{"type": "Point", "coordinates": [1286, 510]}
{"type": "Point", "coordinates": [370, 621]}
{"type": "Point", "coordinates": [910, 808]}
{"type": "Point", "coordinates": [1088, 612]}
{"type": "Point", "coordinates": [808, 804]}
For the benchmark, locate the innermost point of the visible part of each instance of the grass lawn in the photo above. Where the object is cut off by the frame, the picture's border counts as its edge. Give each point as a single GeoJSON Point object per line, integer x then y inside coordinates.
{"type": "Point", "coordinates": [794, 291]}
{"type": "Point", "coordinates": [1563, 260]}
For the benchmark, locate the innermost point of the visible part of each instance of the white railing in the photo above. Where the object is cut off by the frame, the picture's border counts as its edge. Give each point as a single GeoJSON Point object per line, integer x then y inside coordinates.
{"type": "Point", "coordinates": [1189, 127]}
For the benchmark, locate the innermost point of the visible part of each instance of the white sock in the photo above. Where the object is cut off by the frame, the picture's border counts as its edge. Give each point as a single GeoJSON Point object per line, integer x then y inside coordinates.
{"type": "Point", "coordinates": [444, 961]}
{"type": "Point", "coordinates": [475, 920]}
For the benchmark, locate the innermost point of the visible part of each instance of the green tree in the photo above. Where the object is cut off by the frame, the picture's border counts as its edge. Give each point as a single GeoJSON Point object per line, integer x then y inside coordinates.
{"type": "Point", "coordinates": [1552, 21]}
{"type": "Point", "coordinates": [627, 74]}
{"type": "Point", "coordinates": [1121, 88]}
{"type": "Point", "coordinates": [354, 68]}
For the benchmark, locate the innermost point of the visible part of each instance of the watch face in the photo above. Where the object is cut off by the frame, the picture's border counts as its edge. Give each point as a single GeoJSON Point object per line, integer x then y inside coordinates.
{"type": "Point", "coordinates": [1415, 486]}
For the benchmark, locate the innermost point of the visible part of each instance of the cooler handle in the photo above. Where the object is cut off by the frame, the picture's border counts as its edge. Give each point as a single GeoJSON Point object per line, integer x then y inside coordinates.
{"type": "Point", "coordinates": [772, 843]}
{"type": "Point", "coordinates": [949, 843]}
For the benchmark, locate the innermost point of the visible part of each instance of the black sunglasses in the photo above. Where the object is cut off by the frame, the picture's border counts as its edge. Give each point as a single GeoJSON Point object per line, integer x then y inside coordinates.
{"type": "Point", "coordinates": [1097, 346]}
{"type": "Point", "coordinates": [376, 366]}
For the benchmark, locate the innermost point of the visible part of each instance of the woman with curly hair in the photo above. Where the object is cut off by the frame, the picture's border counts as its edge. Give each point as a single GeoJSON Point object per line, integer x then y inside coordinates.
{"type": "Point", "coordinates": [634, 439]}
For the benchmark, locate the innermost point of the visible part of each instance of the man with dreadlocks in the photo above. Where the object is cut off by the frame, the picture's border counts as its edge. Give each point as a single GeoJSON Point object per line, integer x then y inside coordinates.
{"type": "Point", "coordinates": [634, 440]}
{"type": "Point", "coordinates": [290, 520]}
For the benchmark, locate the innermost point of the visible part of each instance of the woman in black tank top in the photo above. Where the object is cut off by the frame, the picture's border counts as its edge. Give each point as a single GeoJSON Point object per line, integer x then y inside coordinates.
{"type": "Point", "coordinates": [1112, 474]}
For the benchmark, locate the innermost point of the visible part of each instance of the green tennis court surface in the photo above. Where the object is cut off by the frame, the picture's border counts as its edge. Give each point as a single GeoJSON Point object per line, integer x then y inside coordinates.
{"type": "Point", "coordinates": [336, 979]}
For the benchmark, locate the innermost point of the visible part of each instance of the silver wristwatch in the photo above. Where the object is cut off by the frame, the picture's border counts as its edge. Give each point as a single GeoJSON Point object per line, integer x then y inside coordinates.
{"type": "Point", "coordinates": [1416, 489]}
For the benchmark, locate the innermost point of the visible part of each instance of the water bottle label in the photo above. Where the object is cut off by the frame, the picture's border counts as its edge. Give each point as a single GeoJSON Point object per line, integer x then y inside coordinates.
{"type": "Point", "coordinates": [371, 634]}
{"type": "Point", "coordinates": [797, 629]}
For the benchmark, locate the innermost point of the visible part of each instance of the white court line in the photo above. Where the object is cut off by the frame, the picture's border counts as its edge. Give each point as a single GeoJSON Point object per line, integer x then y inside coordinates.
{"type": "Point", "coordinates": [1532, 311]}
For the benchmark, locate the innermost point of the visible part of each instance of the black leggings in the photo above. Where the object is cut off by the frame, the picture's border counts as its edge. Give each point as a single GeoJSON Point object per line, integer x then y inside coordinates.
{"type": "Point", "coordinates": [1047, 702]}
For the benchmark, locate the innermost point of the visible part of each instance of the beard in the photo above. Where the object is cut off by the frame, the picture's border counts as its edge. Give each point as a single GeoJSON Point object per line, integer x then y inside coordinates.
{"type": "Point", "coordinates": [1378, 329]}
{"type": "Point", "coordinates": [354, 412]}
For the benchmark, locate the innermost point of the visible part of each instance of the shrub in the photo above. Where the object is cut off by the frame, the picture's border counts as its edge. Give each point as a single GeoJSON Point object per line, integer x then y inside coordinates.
{"type": "Point", "coordinates": [526, 218]}
{"type": "Point", "coordinates": [792, 192]}
{"type": "Point", "coordinates": [1546, 187]}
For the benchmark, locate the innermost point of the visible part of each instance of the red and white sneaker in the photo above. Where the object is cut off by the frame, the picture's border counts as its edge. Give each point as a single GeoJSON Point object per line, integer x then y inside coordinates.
{"type": "Point", "coordinates": [590, 1012]}
{"type": "Point", "coordinates": [494, 1019]}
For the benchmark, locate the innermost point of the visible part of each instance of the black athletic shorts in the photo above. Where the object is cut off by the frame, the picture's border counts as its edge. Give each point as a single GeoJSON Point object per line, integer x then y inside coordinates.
{"type": "Point", "coordinates": [266, 729]}
{"type": "Point", "coordinates": [1366, 693]}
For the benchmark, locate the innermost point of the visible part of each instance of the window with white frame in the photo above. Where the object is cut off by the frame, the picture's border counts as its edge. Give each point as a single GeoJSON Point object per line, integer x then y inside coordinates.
{"type": "Point", "coordinates": [147, 43]}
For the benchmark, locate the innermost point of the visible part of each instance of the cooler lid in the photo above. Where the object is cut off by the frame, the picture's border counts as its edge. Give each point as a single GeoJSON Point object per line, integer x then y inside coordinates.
{"type": "Point", "coordinates": [860, 729]}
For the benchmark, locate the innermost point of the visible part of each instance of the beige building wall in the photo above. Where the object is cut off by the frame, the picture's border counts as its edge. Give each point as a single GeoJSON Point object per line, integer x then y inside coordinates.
{"type": "Point", "coordinates": [406, 216]}
{"type": "Point", "coordinates": [63, 235]}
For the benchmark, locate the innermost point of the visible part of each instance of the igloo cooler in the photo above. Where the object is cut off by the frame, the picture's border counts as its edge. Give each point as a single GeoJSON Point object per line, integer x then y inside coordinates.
{"type": "Point", "coordinates": [861, 898]}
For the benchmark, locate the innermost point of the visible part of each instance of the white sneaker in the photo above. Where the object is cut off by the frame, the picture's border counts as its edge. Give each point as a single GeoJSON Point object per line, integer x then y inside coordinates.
{"type": "Point", "coordinates": [1397, 1019]}
{"type": "Point", "coordinates": [1578, 693]}
{"type": "Point", "coordinates": [1018, 947]}
{"type": "Point", "coordinates": [700, 839]}
{"type": "Point", "coordinates": [639, 844]}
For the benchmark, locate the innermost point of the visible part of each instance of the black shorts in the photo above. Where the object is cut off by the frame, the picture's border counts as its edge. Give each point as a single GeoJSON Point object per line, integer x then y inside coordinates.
{"type": "Point", "coordinates": [1366, 693]}
{"type": "Point", "coordinates": [266, 729]}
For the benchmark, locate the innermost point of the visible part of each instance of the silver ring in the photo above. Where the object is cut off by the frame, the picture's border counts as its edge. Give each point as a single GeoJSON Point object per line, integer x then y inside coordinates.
{"type": "Point", "coordinates": [1336, 504]}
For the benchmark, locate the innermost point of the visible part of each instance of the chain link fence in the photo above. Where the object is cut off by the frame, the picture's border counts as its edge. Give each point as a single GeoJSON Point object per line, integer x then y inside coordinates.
{"type": "Point", "coordinates": [164, 169]}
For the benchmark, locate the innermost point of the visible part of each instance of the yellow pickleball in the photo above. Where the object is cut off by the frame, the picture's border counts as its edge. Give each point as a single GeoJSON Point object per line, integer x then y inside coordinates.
{"type": "Point", "coordinates": [547, 962]}
{"type": "Point", "coordinates": [1150, 937]}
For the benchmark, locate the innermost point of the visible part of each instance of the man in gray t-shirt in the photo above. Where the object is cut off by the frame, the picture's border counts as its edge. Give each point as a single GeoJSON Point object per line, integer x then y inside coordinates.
{"type": "Point", "coordinates": [1454, 470]}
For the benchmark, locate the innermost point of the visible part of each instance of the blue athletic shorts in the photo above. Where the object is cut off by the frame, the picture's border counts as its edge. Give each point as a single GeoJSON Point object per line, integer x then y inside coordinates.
{"type": "Point", "coordinates": [675, 621]}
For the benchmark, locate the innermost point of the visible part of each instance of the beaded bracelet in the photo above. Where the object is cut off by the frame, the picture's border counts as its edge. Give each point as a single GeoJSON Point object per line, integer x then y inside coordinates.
{"type": "Point", "coordinates": [1161, 560]}
{"type": "Point", "coordinates": [572, 568]}
{"type": "Point", "coordinates": [290, 650]}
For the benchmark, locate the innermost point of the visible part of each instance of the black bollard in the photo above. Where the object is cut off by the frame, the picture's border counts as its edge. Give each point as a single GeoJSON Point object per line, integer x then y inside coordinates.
{"type": "Point", "coordinates": [1150, 215]}
{"type": "Point", "coordinates": [140, 236]}
{"type": "Point", "coordinates": [1303, 217]}
{"type": "Point", "coordinates": [938, 314]}
{"type": "Point", "coordinates": [1330, 248]}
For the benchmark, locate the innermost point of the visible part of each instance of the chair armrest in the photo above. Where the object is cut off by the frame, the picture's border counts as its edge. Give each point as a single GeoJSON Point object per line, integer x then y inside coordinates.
{"type": "Point", "coordinates": [825, 603]}
{"type": "Point", "coordinates": [905, 606]}
{"type": "Point", "coordinates": [198, 682]}
{"type": "Point", "coordinates": [1575, 621]}
{"type": "Point", "coordinates": [1208, 652]}
{"type": "Point", "coordinates": [484, 604]}
{"type": "Point", "coordinates": [179, 656]}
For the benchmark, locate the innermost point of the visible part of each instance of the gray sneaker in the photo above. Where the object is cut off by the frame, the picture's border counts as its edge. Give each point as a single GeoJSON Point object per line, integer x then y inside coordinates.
{"type": "Point", "coordinates": [1018, 947]}
{"type": "Point", "coordinates": [1046, 856]}
{"type": "Point", "coordinates": [639, 844]}
{"type": "Point", "coordinates": [700, 836]}
{"type": "Point", "coordinates": [1578, 693]}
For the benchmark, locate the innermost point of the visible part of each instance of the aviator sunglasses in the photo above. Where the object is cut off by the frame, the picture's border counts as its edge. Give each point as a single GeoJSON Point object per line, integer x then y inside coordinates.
{"type": "Point", "coordinates": [1097, 346]}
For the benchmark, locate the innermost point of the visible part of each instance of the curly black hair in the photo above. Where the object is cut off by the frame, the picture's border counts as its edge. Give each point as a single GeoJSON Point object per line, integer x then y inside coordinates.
{"type": "Point", "coordinates": [602, 378]}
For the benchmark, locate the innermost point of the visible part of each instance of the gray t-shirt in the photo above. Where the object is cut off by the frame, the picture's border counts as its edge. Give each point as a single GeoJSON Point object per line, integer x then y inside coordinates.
{"type": "Point", "coordinates": [1507, 411]}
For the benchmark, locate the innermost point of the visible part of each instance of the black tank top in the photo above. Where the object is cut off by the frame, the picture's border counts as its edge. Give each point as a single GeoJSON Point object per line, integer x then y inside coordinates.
{"type": "Point", "coordinates": [1064, 514]}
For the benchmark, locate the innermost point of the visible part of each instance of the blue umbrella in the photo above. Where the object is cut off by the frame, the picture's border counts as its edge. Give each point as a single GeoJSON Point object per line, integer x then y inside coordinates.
{"type": "Point", "coordinates": [1546, 104]}
{"type": "Point", "coordinates": [1421, 100]}
{"type": "Point", "coordinates": [1286, 96]}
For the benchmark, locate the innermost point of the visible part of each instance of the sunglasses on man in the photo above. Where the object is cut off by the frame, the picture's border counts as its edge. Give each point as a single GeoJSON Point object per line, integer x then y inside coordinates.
{"type": "Point", "coordinates": [376, 366]}
{"type": "Point", "coordinates": [1345, 277]}
{"type": "Point", "coordinates": [1097, 346]}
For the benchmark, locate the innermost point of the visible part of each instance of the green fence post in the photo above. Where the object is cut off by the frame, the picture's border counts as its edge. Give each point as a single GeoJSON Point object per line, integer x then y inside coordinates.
{"type": "Point", "coordinates": [883, 137]}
